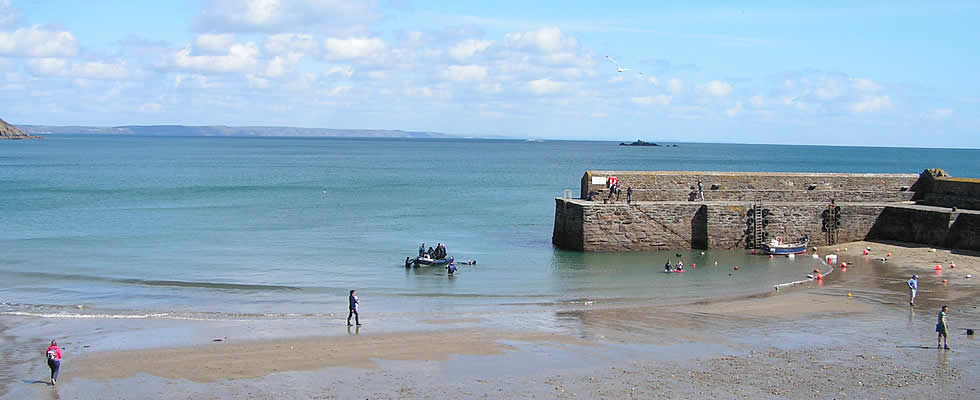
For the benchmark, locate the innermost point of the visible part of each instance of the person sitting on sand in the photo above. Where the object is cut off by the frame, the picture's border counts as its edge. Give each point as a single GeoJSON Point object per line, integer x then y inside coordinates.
{"type": "Point", "coordinates": [53, 356]}
{"type": "Point", "coordinates": [942, 328]}
{"type": "Point", "coordinates": [913, 287]}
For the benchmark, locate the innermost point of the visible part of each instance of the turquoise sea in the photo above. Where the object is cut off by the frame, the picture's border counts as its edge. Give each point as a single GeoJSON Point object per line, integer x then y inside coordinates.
{"type": "Point", "coordinates": [203, 227]}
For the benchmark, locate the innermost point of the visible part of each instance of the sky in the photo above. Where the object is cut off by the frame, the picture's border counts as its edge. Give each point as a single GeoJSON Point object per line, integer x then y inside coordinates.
{"type": "Point", "coordinates": [831, 72]}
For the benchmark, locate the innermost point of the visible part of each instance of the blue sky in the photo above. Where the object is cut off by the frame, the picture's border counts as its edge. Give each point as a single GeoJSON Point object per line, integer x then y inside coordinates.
{"type": "Point", "coordinates": [849, 73]}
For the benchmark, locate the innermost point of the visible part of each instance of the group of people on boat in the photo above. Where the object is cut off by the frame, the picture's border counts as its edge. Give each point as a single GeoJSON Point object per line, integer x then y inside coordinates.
{"type": "Point", "coordinates": [437, 253]}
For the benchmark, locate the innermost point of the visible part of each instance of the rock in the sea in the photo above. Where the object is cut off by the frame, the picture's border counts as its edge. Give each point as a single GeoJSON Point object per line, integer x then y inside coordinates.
{"type": "Point", "coordinates": [8, 131]}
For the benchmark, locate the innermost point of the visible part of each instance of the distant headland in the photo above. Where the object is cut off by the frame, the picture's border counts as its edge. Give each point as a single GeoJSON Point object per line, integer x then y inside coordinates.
{"type": "Point", "coordinates": [8, 131]}
{"type": "Point", "coordinates": [219, 130]}
{"type": "Point", "coordinates": [642, 143]}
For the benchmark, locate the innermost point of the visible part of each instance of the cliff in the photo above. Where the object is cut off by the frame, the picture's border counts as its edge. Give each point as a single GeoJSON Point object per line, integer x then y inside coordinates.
{"type": "Point", "coordinates": [8, 131]}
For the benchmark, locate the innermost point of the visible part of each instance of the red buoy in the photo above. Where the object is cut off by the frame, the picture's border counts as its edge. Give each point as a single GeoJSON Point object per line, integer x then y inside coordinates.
{"type": "Point", "coordinates": [770, 256]}
{"type": "Point", "coordinates": [939, 267]}
{"type": "Point", "coordinates": [952, 265]}
{"type": "Point", "coordinates": [736, 268]}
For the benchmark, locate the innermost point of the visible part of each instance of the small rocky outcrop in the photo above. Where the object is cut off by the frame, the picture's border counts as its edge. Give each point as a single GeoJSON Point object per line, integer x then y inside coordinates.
{"type": "Point", "coordinates": [8, 131]}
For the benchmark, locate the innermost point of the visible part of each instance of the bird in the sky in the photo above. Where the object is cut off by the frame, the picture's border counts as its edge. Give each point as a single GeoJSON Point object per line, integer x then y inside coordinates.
{"type": "Point", "coordinates": [618, 68]}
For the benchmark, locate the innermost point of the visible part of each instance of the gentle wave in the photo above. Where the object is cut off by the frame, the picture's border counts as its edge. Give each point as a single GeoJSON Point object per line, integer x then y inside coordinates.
{"type": "Point", "coordinates": [164, 283]}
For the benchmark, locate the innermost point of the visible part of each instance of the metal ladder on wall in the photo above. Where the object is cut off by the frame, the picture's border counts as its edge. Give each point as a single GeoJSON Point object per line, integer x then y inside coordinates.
{"type": "Point", "coordinates": [831, 223]}
{"type": "Point", "coordinates": [757, 227]}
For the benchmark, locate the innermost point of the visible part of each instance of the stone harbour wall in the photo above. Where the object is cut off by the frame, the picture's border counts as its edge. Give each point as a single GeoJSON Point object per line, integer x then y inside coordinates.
{"type": "Point", "coordinates": [690, 225]}
{"type": "Point", "coordinates": [664, 215]}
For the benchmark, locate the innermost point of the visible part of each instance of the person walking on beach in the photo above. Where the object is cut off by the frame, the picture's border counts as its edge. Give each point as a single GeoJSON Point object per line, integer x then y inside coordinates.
{"type": "Point", "coordinates": [942, 328]}
{"type": "Point", "coordinates": [53, 355]}
{"type": "Point", "coordinates": [700, 191]}
{"type": "Point", "coordinates": [629, 194]}
{"type": "Point", "coordinates": [352, 301]}
{"type": "Point", "coordinates": [913, 287]}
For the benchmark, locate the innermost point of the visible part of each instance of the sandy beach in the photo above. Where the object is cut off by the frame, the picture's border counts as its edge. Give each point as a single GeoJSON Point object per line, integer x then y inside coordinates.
{"type": "Point", "coordinates": [851, 335]}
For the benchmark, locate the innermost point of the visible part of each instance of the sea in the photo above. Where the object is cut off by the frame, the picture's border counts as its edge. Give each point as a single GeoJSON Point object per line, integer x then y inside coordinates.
{"type": "Point", "coordinates": [234, 227]}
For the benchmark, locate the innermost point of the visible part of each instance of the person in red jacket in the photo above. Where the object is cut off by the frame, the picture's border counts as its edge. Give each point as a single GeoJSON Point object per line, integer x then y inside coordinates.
{"type": "Point", "coordinates": [53, 354]}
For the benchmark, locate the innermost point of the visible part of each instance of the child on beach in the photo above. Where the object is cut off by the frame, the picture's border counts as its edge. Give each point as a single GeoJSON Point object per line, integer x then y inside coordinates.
{"type": "Point", "coordinates": [942, 329]}
{"type": "Point", "coordinates": [53, 355]}
{"type": "Point", "coordinates": [353, 302]}
{"type": "Point", "coordinates": [913, 287]}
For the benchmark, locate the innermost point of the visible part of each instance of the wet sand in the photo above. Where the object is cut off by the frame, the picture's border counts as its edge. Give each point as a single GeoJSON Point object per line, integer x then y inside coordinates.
{"type": "Point", "coordinates": [810, 341]}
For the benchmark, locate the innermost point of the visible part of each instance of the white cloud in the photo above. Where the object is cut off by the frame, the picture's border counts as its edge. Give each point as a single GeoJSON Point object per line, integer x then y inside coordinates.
{"type": "Point", "coordinates": [718, 88]}
{"type": "Point", "coordinates": [278, 15]}
{"type": "Point", "coordinates": [647, 100]}
{"type": "Point", "coordinates": [346, 71]}
{"type": "Point", "coordinates": [546, 86]}
{"type": "Point", "coordinates": [548, 39]}
{"type": "Point", "coordinates": [735, 110]}
{"type": "Point", "coordinates": [278, 65]}
{"type": "Point", "coordinates": [675, 85]}
{"type": "Point", "coordinates": [150, 107]}
{"type": "Point", "coordinates": [37, 42]}
{"type": "Point", "coordinates": [289, 42]}
{"type": "Point", "coordinates": [214, 44]}
{"type": "Point", "coordinates": [101, 70]}
{"type": "Point", "coordinates": [872, 104]}
{"type": "Point", "coordinates": [942, 112]}
{"type": "Point", "coordinates": [240, 58]}
{"type": "Point", "coordinates": [343, 49]}
{"type": "Point", "coordinates": [8, 14]}
{"type": "Point", "coordinates": [468, 48]}
{"type": "Point", "coordinates": [461, 73]}
{"type": "Point", "coordinates": [757, 101]}
{"type": "Point", "coordinates": [48, 66]}
{"type": "Point", "coordinates": [864, 84]}
{"type": "Point", "coordinates": [257, 82]}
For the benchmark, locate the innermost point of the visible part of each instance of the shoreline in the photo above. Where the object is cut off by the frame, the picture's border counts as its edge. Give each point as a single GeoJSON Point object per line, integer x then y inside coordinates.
{"type": "Point", "coordinates": [749, 333]}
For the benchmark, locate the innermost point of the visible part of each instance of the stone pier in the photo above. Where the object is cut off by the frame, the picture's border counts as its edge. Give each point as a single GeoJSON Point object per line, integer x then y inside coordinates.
{"type": "Point", "coordinates": [664, 214]}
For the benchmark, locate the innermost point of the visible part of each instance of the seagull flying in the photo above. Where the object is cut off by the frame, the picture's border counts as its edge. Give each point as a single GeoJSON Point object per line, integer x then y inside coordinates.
{"type": "Point", "coordinates": [618, 68]}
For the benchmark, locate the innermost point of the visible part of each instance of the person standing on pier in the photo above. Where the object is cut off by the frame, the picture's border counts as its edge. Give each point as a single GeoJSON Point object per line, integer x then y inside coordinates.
{"type": "Point", "coordinates": [629, 194]}
{"type": "Point", "coordinates": [700, 191]}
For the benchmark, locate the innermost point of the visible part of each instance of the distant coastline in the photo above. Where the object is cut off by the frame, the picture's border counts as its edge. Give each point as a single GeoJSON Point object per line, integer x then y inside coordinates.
{"type": "Point", "coordinates": [220, 130]}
